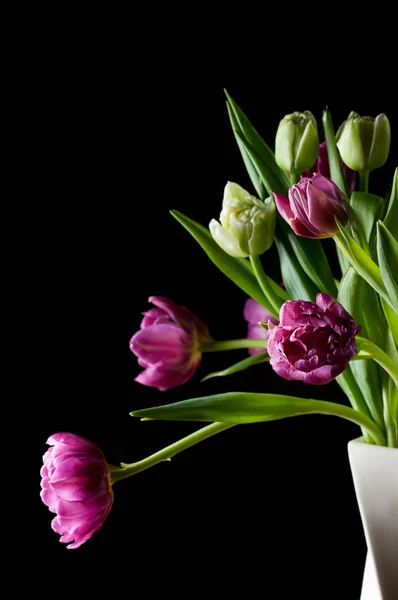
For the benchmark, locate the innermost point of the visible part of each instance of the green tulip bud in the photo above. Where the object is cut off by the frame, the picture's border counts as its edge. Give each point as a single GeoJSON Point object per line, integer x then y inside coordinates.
{"type": "Point", "coordinates": [297, 142]}
{"type": "Point", "coordinates": [364, 142]}
{"type": "Point", "coordinates": [247, 224]}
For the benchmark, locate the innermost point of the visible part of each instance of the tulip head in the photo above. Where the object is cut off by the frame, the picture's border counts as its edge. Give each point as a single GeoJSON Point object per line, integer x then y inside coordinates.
{"type": "Point", "coordinates": [364, 142]}
{"type": "Point", "coordinates": [168, 344]}
{"type": "Point", "coordinates": [296, 143]}
{"type": "Point", "coordinates": [76, 486]}
{"type": "Point", "coordinates": [247, 224]}
{"type": "Point", "coordinates": [313, 342]}
{"type": "Point", "coordinates": [312, 206]}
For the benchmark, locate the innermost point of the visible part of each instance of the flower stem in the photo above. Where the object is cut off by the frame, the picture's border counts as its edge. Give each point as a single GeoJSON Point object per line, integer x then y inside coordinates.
{"type": "Point", "coordinates": [127, 470]}
{"type": "Point", "coordinates": [233, 345]}
{"type": "Point", "coordinates": [364, 181]}
{"type": "Point", "coordinates": [345, 412]}
{"type": "Point", "coordinates": [294, 177]}
{"type": "Point", "coordinates": [261, 278]}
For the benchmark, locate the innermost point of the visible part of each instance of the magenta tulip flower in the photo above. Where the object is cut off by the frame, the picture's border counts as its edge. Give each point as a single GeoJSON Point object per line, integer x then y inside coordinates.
{"type": "Point", "coordinates": [322, 168]}
{"type": "Point", "coordinates": [76, 487]}
{"type": "Point", "coordinates": [312, 207]}
{"type": "Point", "coordinates": [253, 313]}
{"type": "Point", "coordinates": [313, 342]}
{"type": "Point", "coordinates": [168, 344]}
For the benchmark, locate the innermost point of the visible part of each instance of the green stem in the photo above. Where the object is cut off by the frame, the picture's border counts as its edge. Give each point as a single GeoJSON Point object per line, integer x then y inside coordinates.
{"type": "Point", "coordinates": [345, 412]}
{"type": "Point", "coordinates": [233, 345]}
{"type": "Point", "coordinates": [364, 181]}
{"type": "Point", "coordinates": [368, 349]}
{"type": "Point", "coordinates": [127, 470]}
{"type": "Point", "coordinates": [261, 278]}
{"type": "Point", "coordinates": [294, 177]}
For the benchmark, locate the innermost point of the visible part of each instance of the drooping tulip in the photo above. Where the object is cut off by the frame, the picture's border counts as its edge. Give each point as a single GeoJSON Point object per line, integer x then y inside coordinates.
{"type": "Point", "coordinates": [168, 344]}
{"type": "Point", "coordinates": [76, 487]}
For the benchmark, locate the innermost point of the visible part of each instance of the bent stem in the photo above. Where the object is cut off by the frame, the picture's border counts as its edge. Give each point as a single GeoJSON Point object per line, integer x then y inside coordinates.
{"type": "Point", "coordinates": [261, 278]}
{"type": "Point", "coordinates": [233, 345]}
{"type": "Point", "coordinates": [127, 470]}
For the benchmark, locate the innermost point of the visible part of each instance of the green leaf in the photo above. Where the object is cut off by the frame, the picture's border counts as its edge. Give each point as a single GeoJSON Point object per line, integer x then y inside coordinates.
{"type": "Point", "coordinates": [387, 256]}
{"type": "Point", "coordinates": [391, 218]}
{"type": "Point", "coordinates": [256, 359]}
{"type": "Point", "coordinates": [362, 262]}
{"type": "Point", "coordinates": [336, 172]}
{"type": "Point", "coordinates": [242, 407]}
{"type": "Point", "coordinates": [268, 177]}
{"type": "Point", "coordinates": [255, 140]}
{"type": "Point", "coordinates": [367, 208]}
{"type": "Point", "coordinates": [313, 260]}
{"type": "Point", "coordinates": [251, 169]}
{"type": "Point", "coordinates": [237, 270]}
{"type": "Point", "coordinates": [297, 283]}
{"type": "Point", "coordinates": [392, 320]}
{"type": "Point", "coordinates": [362, 302]}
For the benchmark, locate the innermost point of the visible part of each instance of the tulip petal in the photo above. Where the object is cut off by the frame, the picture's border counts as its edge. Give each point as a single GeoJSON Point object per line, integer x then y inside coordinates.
{"type": "Point", "coordinates": [161, 343]}
{"type": "Point", "coordinates": [226, 240]}
{"type": "Point", "coordinates": [283, 206]}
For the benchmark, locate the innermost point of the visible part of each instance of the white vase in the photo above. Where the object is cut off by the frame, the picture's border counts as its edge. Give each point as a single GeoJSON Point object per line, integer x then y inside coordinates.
{"type": "Point", "coordinates": [375, 473]}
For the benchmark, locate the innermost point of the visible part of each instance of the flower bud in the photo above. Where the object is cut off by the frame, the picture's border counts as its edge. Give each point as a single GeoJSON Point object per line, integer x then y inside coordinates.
{"type": "Point", "coordinates": [364, 142]}
{"type": "Point", "coordinates": [296, 143]}
{"type": "Point", "coordinates": [312, 207]}
{"type": "Point", "coordinates": [247, 224]}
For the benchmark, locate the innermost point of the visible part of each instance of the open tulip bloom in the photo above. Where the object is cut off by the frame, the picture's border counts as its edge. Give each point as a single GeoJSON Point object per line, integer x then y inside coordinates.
{"type": "Point", "coordinates": [314, 328]}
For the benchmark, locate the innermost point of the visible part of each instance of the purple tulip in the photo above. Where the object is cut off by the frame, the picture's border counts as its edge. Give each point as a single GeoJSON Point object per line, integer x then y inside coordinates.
{"type": "Point", "coordinates": [167, 344]}
{"type": "Point", "coordinates": [322, 168]}
{"type": "Point", "coordinates": [313, 203]}
{"type": "Point", "coordinates": [253, 313]}
{"type": "Point", "coordinates": [313, 342]}
{"type": "Point", "coordinates": [76, 487]}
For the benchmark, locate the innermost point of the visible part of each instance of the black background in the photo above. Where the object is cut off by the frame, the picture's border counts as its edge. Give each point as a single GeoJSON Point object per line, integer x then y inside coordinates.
{"type": "Point", "coordinates": [268, 509]}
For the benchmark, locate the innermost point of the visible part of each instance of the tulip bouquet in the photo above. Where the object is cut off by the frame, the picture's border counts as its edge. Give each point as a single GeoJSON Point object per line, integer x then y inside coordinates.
{"type": "Point", "coordinates": [311, 326]}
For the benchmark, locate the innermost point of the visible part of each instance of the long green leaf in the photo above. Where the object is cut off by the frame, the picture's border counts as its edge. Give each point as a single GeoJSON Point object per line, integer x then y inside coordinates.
{"type": "Point", "coordinates": [313, 260]}
{"type": "Point", "coordinates": [297, 283]}
{"type": "Point", "coordinates": [336, 172]}
{"type": "Point", "coordinates": [242, 407]}
{"type": "Point", "coordinates": [391, 218]}
{"type": "Point", "coordinates": [367, 208]}
{"type": "Point", "coordinates": [392, 320]}
{"type": "Point", "coordinates": [251, 169]}
{"type": "Point", "coordinates": [362, 302]}
{"type": "Point", "coordinates": [362, 263]}
{"type": "Point", "coordinates": [256, 141]}
{"type": "Point", "coordinates": [387, 256]}
{"type": "Point", "coordinates": [269, 179]}
{"type": "Point", "coordinates": [256, 359]}
{"type": "Point", "coordinates": [234, 268]}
